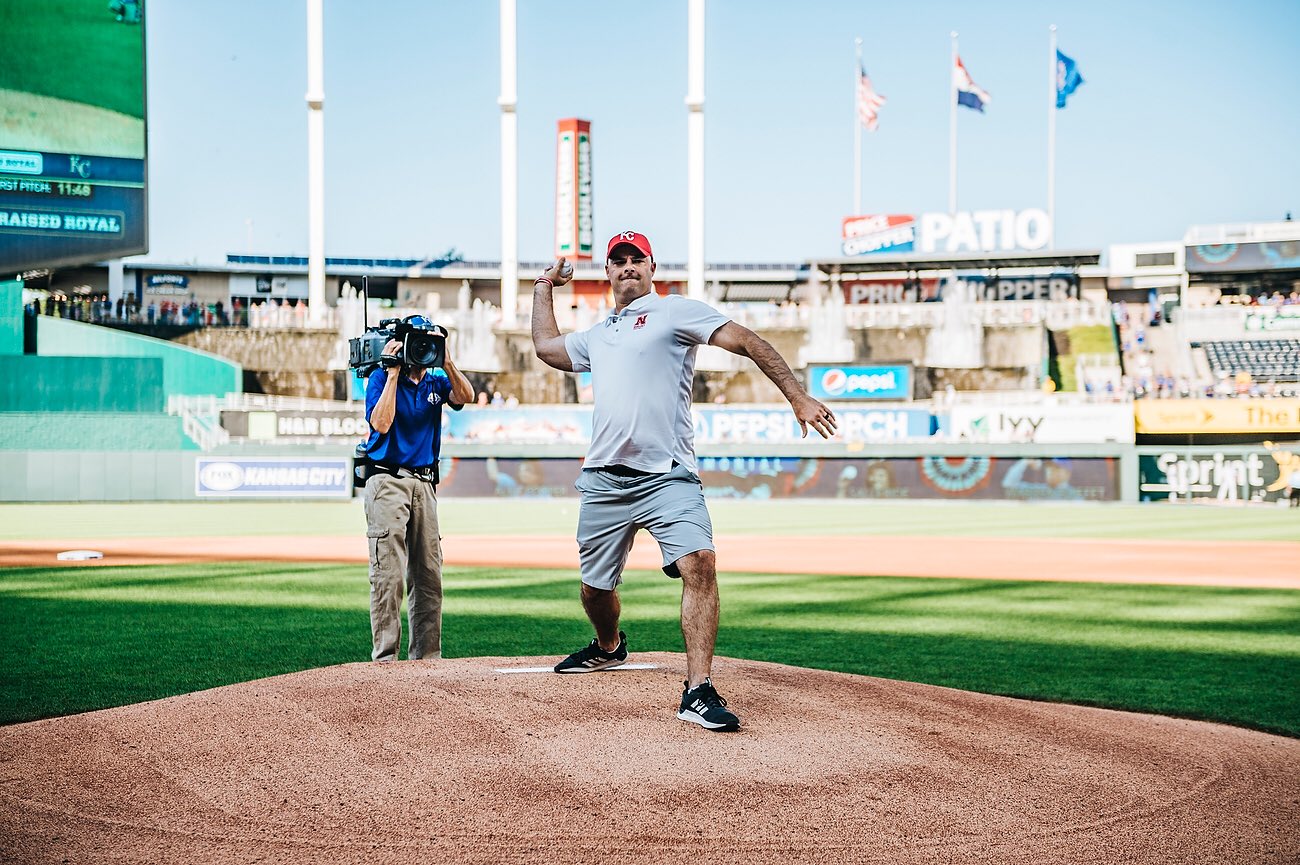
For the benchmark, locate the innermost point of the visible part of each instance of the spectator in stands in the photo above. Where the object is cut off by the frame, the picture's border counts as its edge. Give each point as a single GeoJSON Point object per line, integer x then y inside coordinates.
{"type": "Point", "coordinates": [404, 406]}
{"type": "Point", "coordinates": [1293, 487]}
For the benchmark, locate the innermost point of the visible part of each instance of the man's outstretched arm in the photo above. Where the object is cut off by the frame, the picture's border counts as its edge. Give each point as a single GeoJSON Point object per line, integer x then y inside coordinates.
{"type": "Point", "coordinates": [548, 342]}
{"type": "Point", "coordinates": [738, 339]}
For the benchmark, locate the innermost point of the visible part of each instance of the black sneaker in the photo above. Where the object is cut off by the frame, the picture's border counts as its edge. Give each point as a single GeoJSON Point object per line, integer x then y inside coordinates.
{"type": "Point", "coordinates": [704, 706]}
{"type": "Point", "coordinates": [594, 658]}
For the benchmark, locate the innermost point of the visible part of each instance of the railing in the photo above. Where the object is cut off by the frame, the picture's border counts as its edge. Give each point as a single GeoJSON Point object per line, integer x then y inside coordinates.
{"type": "Point", "coordinates": [200, 420]}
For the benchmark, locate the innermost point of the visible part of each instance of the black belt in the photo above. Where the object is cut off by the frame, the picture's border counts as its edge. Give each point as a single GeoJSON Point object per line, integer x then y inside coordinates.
{"type": "Point", "coordinates": [424, 474]}
{"type": "Point", "coordinates": [629, 472]}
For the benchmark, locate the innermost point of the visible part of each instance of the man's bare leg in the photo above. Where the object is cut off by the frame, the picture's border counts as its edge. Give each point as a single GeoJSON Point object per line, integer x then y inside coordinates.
{"type": "Point", "coordinates": [603, 609]}
{"type": "Point", "coordinates": [699, 612]}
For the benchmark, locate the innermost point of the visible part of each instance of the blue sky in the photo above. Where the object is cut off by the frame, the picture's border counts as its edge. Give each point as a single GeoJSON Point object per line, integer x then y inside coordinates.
{"type": "Point", "coordinates": [1187, 117]}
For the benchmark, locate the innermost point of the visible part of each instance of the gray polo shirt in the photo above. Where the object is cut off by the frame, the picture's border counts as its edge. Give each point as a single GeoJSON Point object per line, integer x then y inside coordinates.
{"type": "Point", "coordinates": [642, 362]}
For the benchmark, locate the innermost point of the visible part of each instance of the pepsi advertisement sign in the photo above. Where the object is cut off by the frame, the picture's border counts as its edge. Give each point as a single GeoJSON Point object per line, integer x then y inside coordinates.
{"type": "Point", "coordinates": [877, 381]}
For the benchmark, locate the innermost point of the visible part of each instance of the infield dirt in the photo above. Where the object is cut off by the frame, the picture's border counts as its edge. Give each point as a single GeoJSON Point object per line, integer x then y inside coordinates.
{"type": "Point", "coordinates": [1253, 564]}
{"type": "Point", "coordinates": [446, 761]}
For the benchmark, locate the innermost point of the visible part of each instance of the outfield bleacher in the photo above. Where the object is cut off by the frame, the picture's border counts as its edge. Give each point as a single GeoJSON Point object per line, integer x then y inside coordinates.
{"type": "Point", "coordinates": [1264, 359]}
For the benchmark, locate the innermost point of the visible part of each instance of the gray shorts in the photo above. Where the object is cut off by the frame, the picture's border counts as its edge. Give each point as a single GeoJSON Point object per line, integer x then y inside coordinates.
{"type": "Point", "coordinates": [614, 507]}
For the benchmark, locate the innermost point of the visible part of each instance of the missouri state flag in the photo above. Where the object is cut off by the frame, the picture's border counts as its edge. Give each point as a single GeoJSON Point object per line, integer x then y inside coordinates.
{"type": "Point", "coordinates": [969, 93]}
{"type": "Point", "coordinates": [1067, 78]}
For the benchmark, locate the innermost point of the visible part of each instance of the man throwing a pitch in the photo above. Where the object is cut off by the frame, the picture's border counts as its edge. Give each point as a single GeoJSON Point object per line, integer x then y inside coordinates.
{"type": "Point", "coordinates": [640, 470]}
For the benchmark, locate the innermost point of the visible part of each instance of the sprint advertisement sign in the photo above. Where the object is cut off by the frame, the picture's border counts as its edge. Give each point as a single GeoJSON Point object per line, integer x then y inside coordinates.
{"type": "Point", "coordinates": [271, 477]}
{"type": "Point", "coordinates": [892, 382]}
{"type": "Point", "coordinates": [1280, 416]}
{"type": "Point", "coordinates": [1228, 474]}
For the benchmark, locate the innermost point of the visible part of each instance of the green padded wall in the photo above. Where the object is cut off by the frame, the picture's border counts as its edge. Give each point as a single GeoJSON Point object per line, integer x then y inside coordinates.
{"type": "Point", "coordinates": [101, 431]}
{"type": "Point", "coordinates": [185, 371]}
{"type": "Point", "coordinates": [30, 383]}
{"type": "Point", "coordinates": [11, 318]}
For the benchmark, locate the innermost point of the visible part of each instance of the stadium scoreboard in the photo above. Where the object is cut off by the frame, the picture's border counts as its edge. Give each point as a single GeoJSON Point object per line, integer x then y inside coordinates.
{"type": "Point", "coordinates": [73, 162]}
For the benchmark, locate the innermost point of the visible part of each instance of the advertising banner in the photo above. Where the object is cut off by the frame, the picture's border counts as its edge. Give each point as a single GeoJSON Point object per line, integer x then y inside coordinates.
{"type": "Point", "coordinates": [540, 425]}
{"type": "Point", "coordinates": [270, 477]}
{"type": "Point", "coordinates": [878, 233]}
{"type": "Point", "coordinates": [265, 425]}
{"type": "Point", "coordinates": [974, 231]}
{"type": "Point", "coordinates": [761, 478]}
{"type": "Point", "coordinates": [1043, 424]}
{"type": "Point", "coordinates": [554, 424]}
{"type": "Point", "coordinates": [574, 219]}
{"type": "Point", "coordinates": [877, 381]}
{"type": "Point", "coordinates": [1058, 286]}
{"type": "Point", "coordinates": [767, 426]}
{"type": "Point", "coordinates": [1190, 416]}
{"type": "Point", "coordinates": [1228, 475]}
{"type": "Point", "coordinates": [1265, 320]}
{"type": "Point", "coordinates": [890, 290]}
{"type": "Point", "coordinates": [1228, 257]}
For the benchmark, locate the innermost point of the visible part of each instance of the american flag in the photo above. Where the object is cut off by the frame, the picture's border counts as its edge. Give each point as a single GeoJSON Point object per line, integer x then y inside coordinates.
{"type": "Point", "coordinates": [869, 101]}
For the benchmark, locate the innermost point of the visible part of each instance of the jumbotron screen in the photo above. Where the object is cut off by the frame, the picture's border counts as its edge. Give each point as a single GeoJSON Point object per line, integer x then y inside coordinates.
{"type": "Point", "coordinates": [72, 133]}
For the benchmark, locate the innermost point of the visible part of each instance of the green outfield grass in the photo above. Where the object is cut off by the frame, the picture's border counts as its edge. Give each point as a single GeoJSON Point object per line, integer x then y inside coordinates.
{"type": "Point", "coordinates": [559, 517]}
{"type": "Point", "coordinates": [74, 50]}
{"type": "Point", "coordinates": [76, 639]}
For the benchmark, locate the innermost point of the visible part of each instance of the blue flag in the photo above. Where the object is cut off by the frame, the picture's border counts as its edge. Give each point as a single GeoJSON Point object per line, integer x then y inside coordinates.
{"type": "Point", "coordinates": [1067, 78]}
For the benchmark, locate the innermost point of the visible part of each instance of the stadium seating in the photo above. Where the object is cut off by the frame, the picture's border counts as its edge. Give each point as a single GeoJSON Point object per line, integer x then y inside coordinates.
{"type": "Point", "coordinates": [1265, 359]}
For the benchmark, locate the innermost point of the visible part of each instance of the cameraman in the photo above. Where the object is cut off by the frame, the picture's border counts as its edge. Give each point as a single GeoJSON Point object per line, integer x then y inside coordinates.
{"type": "Point", "coordinates": [404, 409]}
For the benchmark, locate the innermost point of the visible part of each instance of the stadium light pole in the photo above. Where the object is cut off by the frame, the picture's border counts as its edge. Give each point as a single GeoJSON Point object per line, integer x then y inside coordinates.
{"type": "Point", "coordinates": [315, 162]}
{"type": "Point", "coordinates": [952, 127]}
{"type": "Point", "coordinates": [695, 150]}
{"type": "Point", "coordinates": [509, 167]}
{"type": "Point", "coordinates": [1051, 140]}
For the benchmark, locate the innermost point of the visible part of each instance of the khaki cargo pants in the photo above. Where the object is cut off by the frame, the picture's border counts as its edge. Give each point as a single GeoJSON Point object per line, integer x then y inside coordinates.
{"type": "Point", "coordinates": [402, 530]}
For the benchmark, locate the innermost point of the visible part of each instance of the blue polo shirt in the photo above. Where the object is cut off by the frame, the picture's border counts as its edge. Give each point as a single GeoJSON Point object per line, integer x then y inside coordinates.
{"type": "Point", "coordinates": [415, 437]}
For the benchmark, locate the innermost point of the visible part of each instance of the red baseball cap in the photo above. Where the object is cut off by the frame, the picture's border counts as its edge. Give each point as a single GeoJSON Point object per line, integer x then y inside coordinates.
{"type": "Point", "coordinates": [632, 238]}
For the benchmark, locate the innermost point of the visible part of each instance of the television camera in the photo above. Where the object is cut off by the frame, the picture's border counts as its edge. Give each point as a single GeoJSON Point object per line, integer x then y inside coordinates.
{"type": "Point", "coordinates": [423, 344]}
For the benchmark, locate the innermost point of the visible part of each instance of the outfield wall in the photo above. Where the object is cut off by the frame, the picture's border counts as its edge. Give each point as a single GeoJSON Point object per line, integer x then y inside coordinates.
{"type": "Point", "coordinates": [805, 470]}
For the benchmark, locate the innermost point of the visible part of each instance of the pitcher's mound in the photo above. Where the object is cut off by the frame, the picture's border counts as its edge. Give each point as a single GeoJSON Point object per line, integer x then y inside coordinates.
{"type": "Point", "coordinates": [451, 761]}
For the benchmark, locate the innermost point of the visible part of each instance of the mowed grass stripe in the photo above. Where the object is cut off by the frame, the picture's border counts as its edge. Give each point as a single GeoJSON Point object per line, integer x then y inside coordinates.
{"type": "Point", "coordinates": [559, 518]}
{"type": "Point", "coordinates": [77, 639]}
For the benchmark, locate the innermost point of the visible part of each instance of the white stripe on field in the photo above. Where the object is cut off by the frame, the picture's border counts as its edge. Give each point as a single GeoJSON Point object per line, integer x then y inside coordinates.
{"type": "Point", "coordinates": [551, 669]}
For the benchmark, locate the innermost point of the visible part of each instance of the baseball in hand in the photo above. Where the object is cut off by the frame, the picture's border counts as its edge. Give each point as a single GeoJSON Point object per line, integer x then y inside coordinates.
{"type": "Point", "coordinates": [566, 271]}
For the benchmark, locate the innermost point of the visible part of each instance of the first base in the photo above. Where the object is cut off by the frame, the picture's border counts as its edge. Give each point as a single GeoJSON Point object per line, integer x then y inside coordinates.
{"type": "Point", "coordinates": [79, 555]}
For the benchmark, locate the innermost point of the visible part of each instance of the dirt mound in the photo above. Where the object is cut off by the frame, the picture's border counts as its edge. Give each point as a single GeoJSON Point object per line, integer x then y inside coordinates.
{"type": "Point", "coordinates": [453, 761]}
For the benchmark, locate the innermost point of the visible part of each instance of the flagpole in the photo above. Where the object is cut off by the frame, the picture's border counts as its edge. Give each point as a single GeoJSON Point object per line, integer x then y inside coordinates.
{"type": "Point", "coordinates": [1051, 142]}
{"type": "Point", "coordinates": [857, 133]}
{"type": "Point", "coordinates": [952, 128]}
